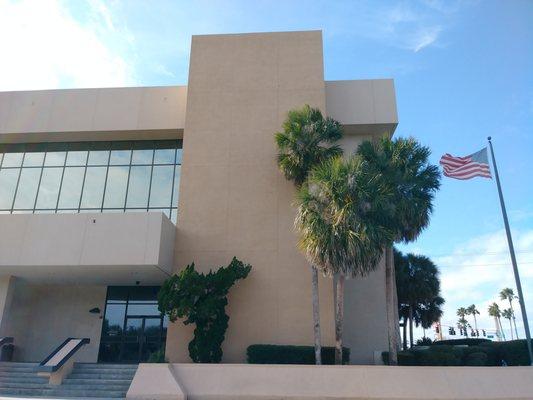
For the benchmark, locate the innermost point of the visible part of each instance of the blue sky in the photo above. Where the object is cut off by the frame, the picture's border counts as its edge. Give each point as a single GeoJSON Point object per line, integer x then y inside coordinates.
{"type": "Point", "coordinates": [462, 70]}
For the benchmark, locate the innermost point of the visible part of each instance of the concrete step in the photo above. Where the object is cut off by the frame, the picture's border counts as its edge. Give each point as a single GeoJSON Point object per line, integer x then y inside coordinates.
{"type": "Point", "coordinates": [23, 385]}
{"type": "Point", "coordinates": [105, 366]}
{"type": "Point", "coordinates": [17, 368]}
{"type": "Point", "coordinates": [18, 364]}
{"type": "Point", "coordinates": [80, 375]}
{"type": "Point", "coordinates": [15, 378]}
{"type": "Point", "coordinates": [23, 374]}
{"type": "Point", "coordinates": [75, 381]}
{"type": "Point", "coordinates": [62, 393]}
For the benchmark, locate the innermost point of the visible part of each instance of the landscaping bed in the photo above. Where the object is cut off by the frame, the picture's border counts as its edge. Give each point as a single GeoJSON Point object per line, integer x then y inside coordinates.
{"type": "Point", "coordinates": [465, 353]}
{"type": "Point", "coordinates": [286, 354]}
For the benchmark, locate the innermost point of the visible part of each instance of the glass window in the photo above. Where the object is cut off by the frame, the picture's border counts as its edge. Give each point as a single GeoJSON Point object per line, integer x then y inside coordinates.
{"type": "Point", "coordinates": [161, 186]}
{"type": "Point", "coordinates": [113, 176]}
{"type": "Point", "coordinates": [93, 189]}
{"type": "Point", "coordinates": [164, 156]}
{"type": "Point", "coordinates": [55, 159]}
{"type": "Point", "coordinates": [143, 153]}
{"type": "Point", "coordinates": [76, 157]}
{"type": "Point", "coordinates": [33, 159]}
{"type": "Point", "coordinates": [115, 192]}
{"type": "Point", "coordinates": [98, 157]}
{"type": "Point", "coordinates": [71, 187]}
{"type": "Point", "coordinates": [175, 197]}
{"type": "Point", "coordinates": [120, 153]}
{"type": "Point", "coordinates": [8, 185]}
{"type": "Point", "coordinates": [49, 188]}
{"type": "Point", "coordinates": [12, 160]}
{"type": "Point", "coordinates": [27, 189]}
{"type": "Point", "coordinates": [138, 187]}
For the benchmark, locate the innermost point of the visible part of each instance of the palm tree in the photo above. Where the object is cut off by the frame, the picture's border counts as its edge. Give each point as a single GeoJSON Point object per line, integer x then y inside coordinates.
{"type": "Point", "coordinates": [472, 310]}
{"type": "Point", "coordinates": [508, 314]}
{"type": "Point", "coordinates": [418, 291]}
{"type": "Point", "coordinates": [462, 313]}
{"type": "Point", "coordinates": [494, 311]}
{"type": "Point", "coordinates": [404, 164]}
{"type": "Point", "coordinates": [508, 294]}
{"type": "Point", "coordinates": [342, 212]}
{"type": "Point", "coordinates": [307, 140]}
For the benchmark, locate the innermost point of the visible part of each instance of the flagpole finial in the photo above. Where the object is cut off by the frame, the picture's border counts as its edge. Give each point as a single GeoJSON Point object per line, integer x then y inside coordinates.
{"type": "Point", "coordinates": [489, 138]}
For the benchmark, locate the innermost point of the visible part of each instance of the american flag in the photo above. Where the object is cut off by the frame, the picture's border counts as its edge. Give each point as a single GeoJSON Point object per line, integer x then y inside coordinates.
{"type": "Point", "coordinates": [476, 164]}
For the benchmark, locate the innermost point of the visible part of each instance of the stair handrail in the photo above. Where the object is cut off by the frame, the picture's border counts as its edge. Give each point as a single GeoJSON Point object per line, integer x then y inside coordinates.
{"type": "Point", "coordinates": [45, 367]}
{"type": "Point", "coordinates": [5, 340]}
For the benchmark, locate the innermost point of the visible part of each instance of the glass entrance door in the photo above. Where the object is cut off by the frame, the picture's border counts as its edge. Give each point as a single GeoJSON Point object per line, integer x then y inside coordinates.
{"type": "Point", "coordinates": [133, 327]}
{"type": "Point", "coordinates": [142, 338]}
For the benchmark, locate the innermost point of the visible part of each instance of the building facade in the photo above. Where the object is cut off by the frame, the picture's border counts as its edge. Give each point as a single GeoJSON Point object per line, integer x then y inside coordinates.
{"type": "Point", "coordinates": [104, 193]}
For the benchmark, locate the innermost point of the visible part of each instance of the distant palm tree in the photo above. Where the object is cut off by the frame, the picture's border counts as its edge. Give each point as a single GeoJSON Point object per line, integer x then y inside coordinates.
{"type": "Point", "coordinates": [404, 163]}
{"type": "Point", "coordinates": [463, 323]}
{"type": "Point", "coordinates": [494, 311]}
{"type": "Point", "coordinates": [307, 140]}
{"type": "Point", "coordinates": [508, 314]}
{"type": "Point", "coordinates": [342, 213]}
{"type": "Point", "coordinates": [472, 310]}
{"type": "Point", "coordinates": [508, 294]}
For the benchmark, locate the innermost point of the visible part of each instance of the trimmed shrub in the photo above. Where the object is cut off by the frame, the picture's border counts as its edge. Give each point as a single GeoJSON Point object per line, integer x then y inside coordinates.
{"type": "Point", "coordinates": [514, 352]}
{"type": "Point", "coordinates": [478, 359]}
{"type": "Point", "coordinates": [458, 342]}
{"type": "Point", "coordinates": [438, 358]}
{"type": "Point", "coordinates": [287, 354]}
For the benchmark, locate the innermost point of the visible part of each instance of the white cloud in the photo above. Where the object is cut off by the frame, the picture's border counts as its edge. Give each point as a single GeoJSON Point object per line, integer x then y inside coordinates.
{"type": "Point", "coordinates": [44, 46]}
{"type": "Point", "coordinates": [475, 272]}
{"type": "Point", "coordinates": [424, 37]}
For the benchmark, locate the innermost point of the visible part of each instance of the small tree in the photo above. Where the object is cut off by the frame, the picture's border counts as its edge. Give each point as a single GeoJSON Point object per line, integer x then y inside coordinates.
{"type": "Point", "coordinates": [307, 140]}
{"type": "Point", "coordinates": [508, 314]}
{"type": "Point", "coordinates": [494, 311]}
{"type": "Point", "coordinates": [473, 311]}
{"type": "Point", "coordinates": [201, 299]}
{"type": "Point", "coordinates": [341, 219]}
{"type": "Point", "coordinates": [508, 294]}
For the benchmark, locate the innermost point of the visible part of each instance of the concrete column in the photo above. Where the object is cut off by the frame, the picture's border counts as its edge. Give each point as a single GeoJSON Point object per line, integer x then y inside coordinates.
{"type": "Point", "coordinates": [7, 287]}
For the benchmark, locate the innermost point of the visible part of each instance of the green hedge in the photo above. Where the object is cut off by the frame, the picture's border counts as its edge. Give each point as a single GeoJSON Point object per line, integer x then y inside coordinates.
{"type": "Point", "coordinates": [466, 341]}
{"type": "Point", "coordinates": [286, 354]}
{"type": "Point", "coordinates": [486, 353]}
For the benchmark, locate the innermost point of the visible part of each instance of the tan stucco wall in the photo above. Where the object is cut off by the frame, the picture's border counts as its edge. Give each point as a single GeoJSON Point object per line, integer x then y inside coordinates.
{"type": "Point", "coordinates": [43, 316]}
{"type": "Point", "coordinates": [310, 382]}
{"type": "Point", "coordinates": [92, 114]}
{"type": "Point", "coordinates": [235, 202]}
{"type": "Point", "coordinates": [87, 248]}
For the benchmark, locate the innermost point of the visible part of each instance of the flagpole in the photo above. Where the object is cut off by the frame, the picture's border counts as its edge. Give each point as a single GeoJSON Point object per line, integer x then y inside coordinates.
{"type": "Point", "coordinates": [513, 257]}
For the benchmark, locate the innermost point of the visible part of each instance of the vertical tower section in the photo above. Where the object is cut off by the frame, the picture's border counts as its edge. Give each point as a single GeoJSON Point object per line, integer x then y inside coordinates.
{"type": "Point", "coordinates": [233, 199]}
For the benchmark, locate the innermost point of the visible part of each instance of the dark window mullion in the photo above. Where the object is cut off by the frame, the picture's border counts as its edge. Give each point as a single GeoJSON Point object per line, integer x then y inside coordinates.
{"type": "Point", "coordinates": [61, 182]}
{"type": "Point", "coordinates": [18, 181]}
{"type": "Point", "coordinates": [173, 179]}
{"type": "Point", "coordinates": [39, 184]}
{"type": "Point", "coordinates": [151, 175]}
{"type": "Point", "coordinates": [83, 183]}
{"type": "Point", "coordinates": [106, 175]}
{"type": "Point", "coordinates": [128, 181]}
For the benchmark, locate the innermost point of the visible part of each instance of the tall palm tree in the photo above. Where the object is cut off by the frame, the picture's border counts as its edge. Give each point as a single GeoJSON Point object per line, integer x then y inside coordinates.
{"type": "Point", "coordinates": [307, 140]}
{"type": "Point", "coordinates": [508, 294]}
{"type": "Point", "coordinates": [472, 310]}
{"type": "Point", "coordinates": [404, 164]}
{"type": "Point", "coordinates": [494, 311]}
{"type": "Point", "coordinates": [342, 212]}
{"type": "Point", "coordinates": [508, 314]}
{"type": "Point", "coordinates": [462, 313]}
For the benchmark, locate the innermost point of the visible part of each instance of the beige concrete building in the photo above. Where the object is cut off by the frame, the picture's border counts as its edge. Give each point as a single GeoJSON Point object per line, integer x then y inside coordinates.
{"type": "Point", "coordinates": [106, 192]}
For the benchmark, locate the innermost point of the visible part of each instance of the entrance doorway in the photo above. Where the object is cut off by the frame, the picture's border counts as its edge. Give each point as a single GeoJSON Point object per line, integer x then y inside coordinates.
{"type": "Point", "coordinates": [133, 328]}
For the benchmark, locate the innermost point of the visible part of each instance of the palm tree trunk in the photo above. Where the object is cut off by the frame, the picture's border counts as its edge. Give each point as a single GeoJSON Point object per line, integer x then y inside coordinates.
{"type": "Point", "coordinates": [316, 315]}
{"type": "Point", "coordinates": [339, 318]}
{"type": "Point", "coordinates": [391, 306]}
{"type": "Point", "coordinates": [501, 327]}
{"type": "Point", "coordinates": [404, 333]}
{"type": "Point", "coordinates": [511, 326]}
{"type": "Point", "coordinates": [475, 323]}
{"type": "Point", "coordinates": [411, 335]}
{"type": "Point", "coordinates": [514, 319]}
